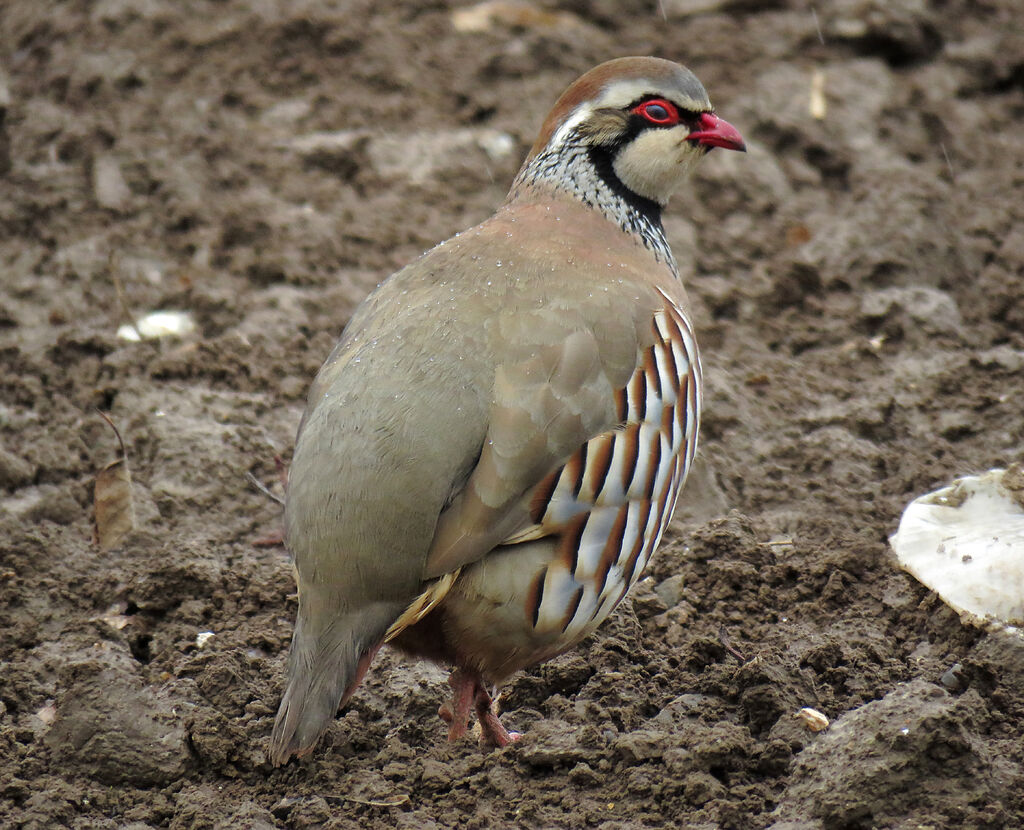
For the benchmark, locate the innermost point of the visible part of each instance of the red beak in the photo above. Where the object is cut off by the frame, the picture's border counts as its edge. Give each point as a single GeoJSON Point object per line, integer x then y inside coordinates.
{"type": "Point", "coordinates": [715, 132]}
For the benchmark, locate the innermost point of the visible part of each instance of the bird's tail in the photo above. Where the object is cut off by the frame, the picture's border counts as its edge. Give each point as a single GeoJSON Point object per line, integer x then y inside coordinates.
{"type": "Point", "coordinates": [324, 665]}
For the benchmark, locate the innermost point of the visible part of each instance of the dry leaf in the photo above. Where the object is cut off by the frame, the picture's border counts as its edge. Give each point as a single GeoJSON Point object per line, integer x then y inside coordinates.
{"type": "Point", "coordinates": [797, 235]}
{"type": "Point", "coordinates": [115, 508]}
{"type": "Point", "coordinates": [393, 801]}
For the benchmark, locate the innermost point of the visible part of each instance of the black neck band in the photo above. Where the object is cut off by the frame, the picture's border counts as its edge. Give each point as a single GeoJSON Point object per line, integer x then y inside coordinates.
{"type": "Point", "coordinates": [602, 158]}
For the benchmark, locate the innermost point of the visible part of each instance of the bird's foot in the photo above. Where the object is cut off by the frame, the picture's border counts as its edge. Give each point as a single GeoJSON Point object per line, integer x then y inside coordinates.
{"type": "Point", "coordinates": [469, 692]}
{"type": "Point", "coordinates": [492, 732]}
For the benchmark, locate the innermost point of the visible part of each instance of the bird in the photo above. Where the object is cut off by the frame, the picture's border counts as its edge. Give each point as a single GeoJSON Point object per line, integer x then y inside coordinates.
{"type": "Point", "coordinates": [491, 454]}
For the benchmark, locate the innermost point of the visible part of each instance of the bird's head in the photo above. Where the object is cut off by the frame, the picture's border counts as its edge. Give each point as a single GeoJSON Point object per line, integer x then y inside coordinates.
{"type": "Point", "coordinates": [641, 123]}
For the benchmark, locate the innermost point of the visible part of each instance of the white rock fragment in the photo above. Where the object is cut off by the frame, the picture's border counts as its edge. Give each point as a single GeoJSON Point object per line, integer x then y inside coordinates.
{"type": "Point", "coordinates": [495, 143]}
{"type": "Point", "coordinates": [817, 105]}
{"type": "Point", "coordinates": [966, 542]}
{"type": "Point", "coordinates": [115, 616]}
{"type": "Point", "coordinates": [108, 184]}
{"type": "Point", "coordinates": [158, 324]}
{"type": "Point", "coordinates": [813, 719]}
{"type": "Point", "coordinates": [202, 638]}
{"type": "Point", "coordinates": [48, 714]}
{"type": "Point", "coordinates": [509, 14]}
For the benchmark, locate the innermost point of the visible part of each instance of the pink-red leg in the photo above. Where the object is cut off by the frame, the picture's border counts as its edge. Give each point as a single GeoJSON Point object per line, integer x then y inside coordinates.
{"type": "Point", "coordinates": [468, 691]}
{"type": "Point", "coordinates": [456, 712]}
{"type": "Point", "coordinates": [492, 731]}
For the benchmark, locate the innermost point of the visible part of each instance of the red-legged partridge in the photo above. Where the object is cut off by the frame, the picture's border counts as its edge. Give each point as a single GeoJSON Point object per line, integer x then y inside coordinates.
{"type": "Point", "coordinates": [493, 450]}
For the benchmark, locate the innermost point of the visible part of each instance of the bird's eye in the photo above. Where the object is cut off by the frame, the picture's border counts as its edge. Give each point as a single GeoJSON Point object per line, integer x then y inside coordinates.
{"type": "Point", "coordinates": [658, 112]}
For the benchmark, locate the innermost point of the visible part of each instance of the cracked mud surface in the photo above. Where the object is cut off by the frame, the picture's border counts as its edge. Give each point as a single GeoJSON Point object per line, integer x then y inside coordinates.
{"type": "Point", "coordinates": [858, 288]}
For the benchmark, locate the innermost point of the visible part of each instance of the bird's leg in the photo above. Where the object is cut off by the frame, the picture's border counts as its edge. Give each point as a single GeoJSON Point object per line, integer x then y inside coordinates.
{"type": "Point", "coordinates": [492, 731]}
{"type": "Point", "coordinates": [456, 712]}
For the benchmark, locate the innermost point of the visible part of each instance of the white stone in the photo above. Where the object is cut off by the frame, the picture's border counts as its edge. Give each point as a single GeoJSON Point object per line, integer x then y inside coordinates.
{"type": "Point", "coordinates": [966, 542]}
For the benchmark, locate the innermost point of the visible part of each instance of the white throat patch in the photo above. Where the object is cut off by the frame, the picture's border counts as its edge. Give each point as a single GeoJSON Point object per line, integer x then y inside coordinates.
{"type": "Point", "coordinates": [565, 164]}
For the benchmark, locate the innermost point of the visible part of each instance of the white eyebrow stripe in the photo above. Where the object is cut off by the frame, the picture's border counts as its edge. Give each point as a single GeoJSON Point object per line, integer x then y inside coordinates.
{"type": "Point", "coordinates": [578, 116]}
{"type": "Point", "coordinates": [622, 93]}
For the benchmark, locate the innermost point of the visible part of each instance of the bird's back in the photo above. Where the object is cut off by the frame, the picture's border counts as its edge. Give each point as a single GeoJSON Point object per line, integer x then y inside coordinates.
{"type": "Point", "coordinates": [398, 414]}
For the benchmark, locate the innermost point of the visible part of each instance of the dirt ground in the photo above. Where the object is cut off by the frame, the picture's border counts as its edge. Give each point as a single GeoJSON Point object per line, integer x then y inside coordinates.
{"type": "Point", "coordinates": [858, 279]}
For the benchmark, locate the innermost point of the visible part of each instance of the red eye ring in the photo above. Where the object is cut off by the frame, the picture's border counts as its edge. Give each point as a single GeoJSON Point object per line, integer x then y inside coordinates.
{"type": "Point", "coordinates": [658, 111]}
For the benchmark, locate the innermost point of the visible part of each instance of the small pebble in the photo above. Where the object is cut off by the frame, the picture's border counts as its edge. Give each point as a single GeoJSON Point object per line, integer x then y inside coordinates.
{"type": "Point", "coordinates": [953, 678]}
{"type": "Point", "coordinates": [813, 719]}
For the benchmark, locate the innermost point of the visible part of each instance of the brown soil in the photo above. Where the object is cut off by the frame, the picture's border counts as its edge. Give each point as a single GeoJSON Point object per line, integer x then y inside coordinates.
{"type": "Point", "coordinates": [859, 290]}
